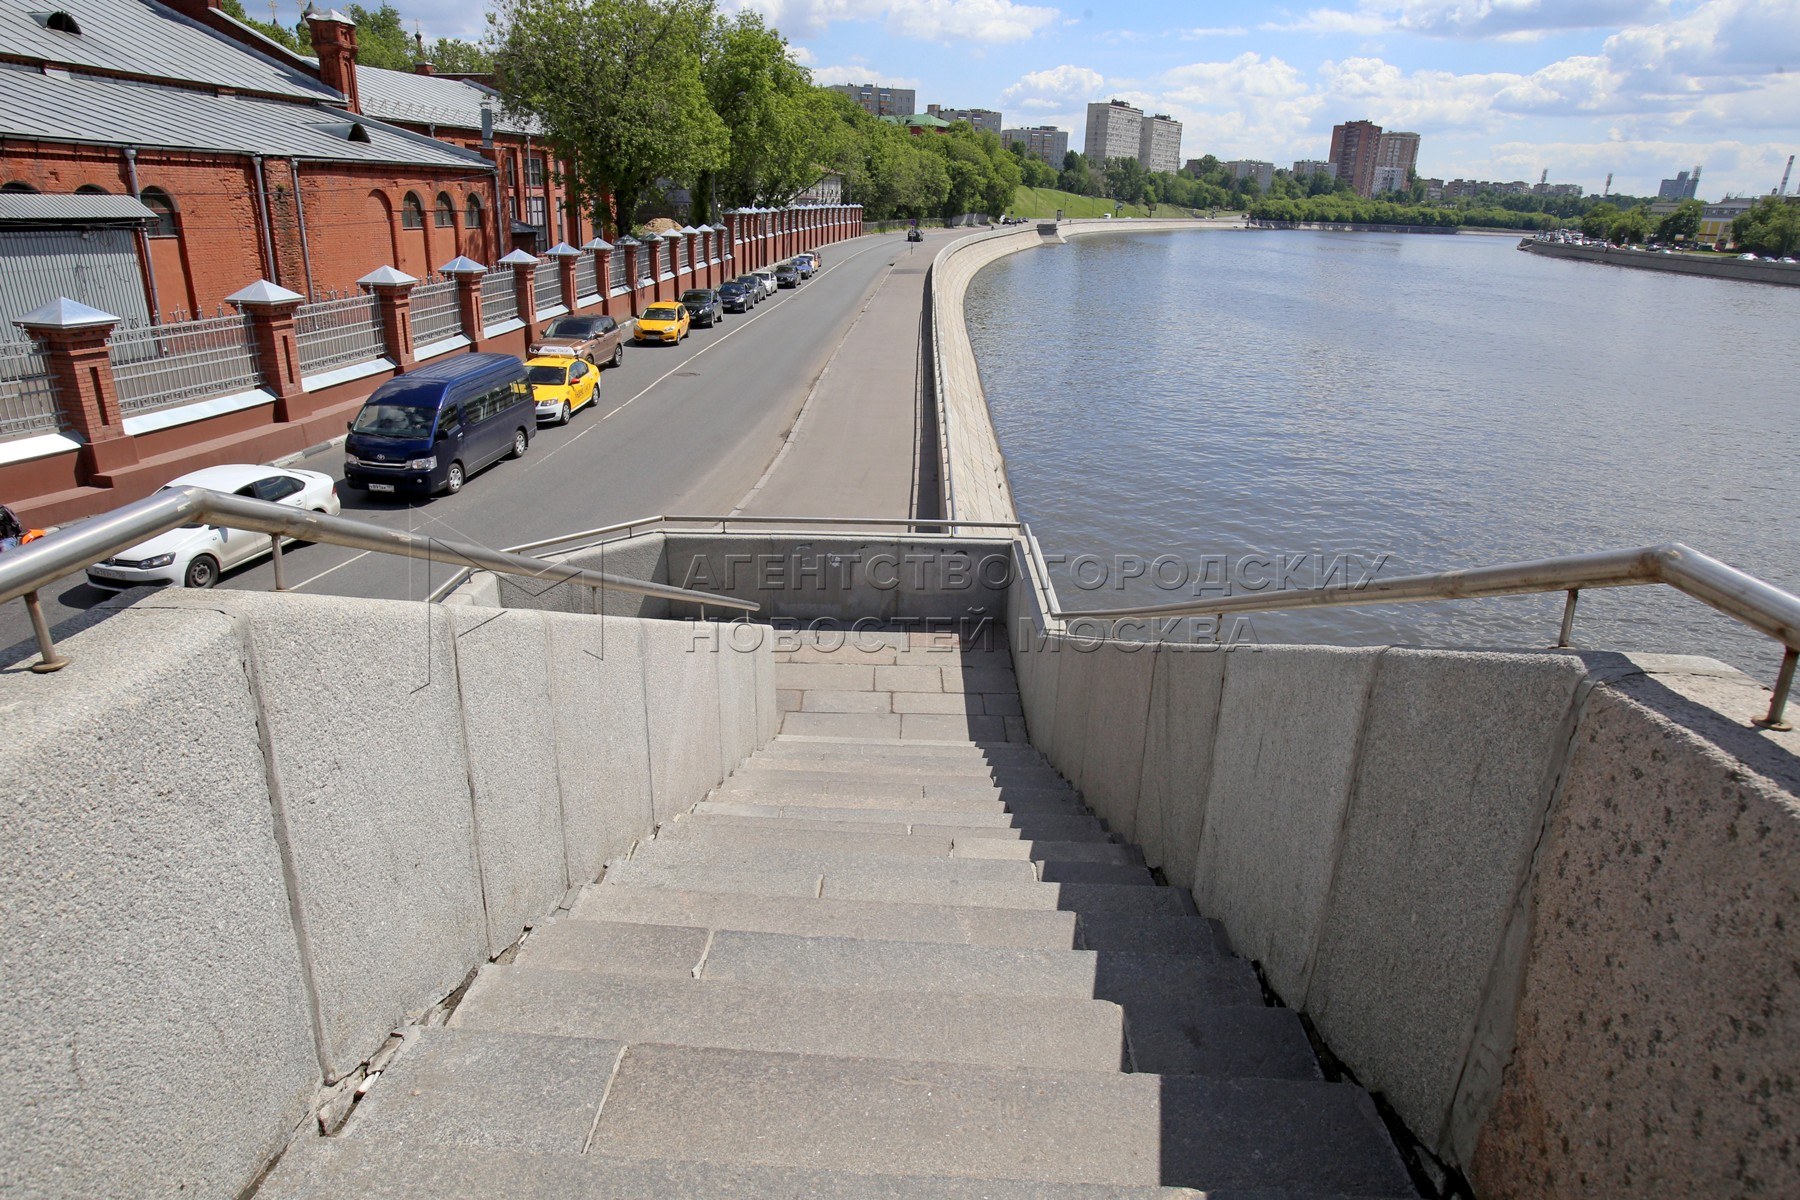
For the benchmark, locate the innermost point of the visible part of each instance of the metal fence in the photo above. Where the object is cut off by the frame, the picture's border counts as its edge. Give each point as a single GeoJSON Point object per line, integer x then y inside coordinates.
{"type": "Point", "coordinates": [27, 392]}
{"type": "Point", "coordinates": [435, 314]}
{"type": "Point", "coordinates": [337, 333]}
{"type": "Point", "coordinates": [676, 255]}
{"type": "Point", "coordinates": [587, 275]}
{"type": "Point", "coordinates": [164, 365]}
{"type": "Point", "coordinates": [499, 300]}
{"type": "Point", "coordinates": [615, 273]}
{"type": "Point", "coordinates": [546, 286]}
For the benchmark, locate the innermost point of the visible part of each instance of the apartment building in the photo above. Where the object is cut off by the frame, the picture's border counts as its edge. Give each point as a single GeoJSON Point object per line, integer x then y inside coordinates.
{"type": "Point", "coordinates": [980, 118]}
{"type": "Point", "coordinates": [880, 100]}
{"type": "Point", "coordinates": [1114, 130]}
{"type": "Point", "coordinates": [1042, 141]}
{"type": "Point", "coordinates": [1355, 147]}
{"type": "Point", "coordinates": [1159, 144]}
{"type": "Point", "coordinates": [1261, 173]}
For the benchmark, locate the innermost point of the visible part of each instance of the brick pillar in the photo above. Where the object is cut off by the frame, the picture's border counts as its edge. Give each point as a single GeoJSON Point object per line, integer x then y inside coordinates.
{"type": "Point", "coordinates": [653, 265]}
{"type": "Point", "coordinates": [524, 268]}
{"type": "Point", "coordinates": [393, 301]}
{"type": "Point", "coordinates": [690, 238]}
{"type": "Point", "coordinates": [602, 251]}
{"type": "Point", "coordinates": [633, 258]}
{"type": "Point", "coordinates": [467, 273]}
{"type": "Point", "coordinates": [270, 309]}
{"type": "Point", "coordinates": [563, 258]}
{"type": "Point", "coordinates": [72, 337]}
{"type": "Point", "coordinates": [732, 224]}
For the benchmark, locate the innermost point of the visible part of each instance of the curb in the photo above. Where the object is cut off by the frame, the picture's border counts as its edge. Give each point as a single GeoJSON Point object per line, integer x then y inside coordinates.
{"type": "Point", "coordinates": [288, 460]}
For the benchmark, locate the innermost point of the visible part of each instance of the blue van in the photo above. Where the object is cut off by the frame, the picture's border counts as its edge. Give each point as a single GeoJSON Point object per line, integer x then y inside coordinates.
{"type": "Point", "coordinates": [430, 429]}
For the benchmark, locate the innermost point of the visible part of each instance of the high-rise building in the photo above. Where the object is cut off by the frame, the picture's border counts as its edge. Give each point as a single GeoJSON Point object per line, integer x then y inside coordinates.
{"type": "Point", "coordinates": [1261, 173]}
{"type": "Point", "coordinates": [1306, 168]}
{"type": "Point", "coordinates": [1114, 130]}
{"type": "Point", "coordinates": [1354, 148]}
{"type": "Point", "coordinates": [1683, 187]}
{"type": "Point", "coordinates": [1388, 179]}
{"type": "Point", "coordinates": [980, 118]}
{"type": "Point", "coordinates": [880, 100]}
{"type": "Point", "coordinates": [1399, 151]}
{"type": "Point", "coordinates": [1044, 141]}
{"type": "Point", "coordinates": [1159, 144]}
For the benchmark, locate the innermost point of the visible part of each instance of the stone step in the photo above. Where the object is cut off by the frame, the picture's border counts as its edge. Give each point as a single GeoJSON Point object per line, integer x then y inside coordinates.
{"type": "Point", "coordinates": [890, 839]}
{"type": "Point", "coordinates": [371, 1170]}
{"type": "Point", "coordinates": [905, 750]}
{"type": "Point", "coordinates": [545, 1094]}
{"type": "Point", "coordinates": [1066, 831]}
{"type": "Point", "coordinates": [948, 759]}
{"type": "Point", "coordinates": [1063, 871]}
{"type": "Point", "coordinates": [895, 745]}
{"type": "Point", "coordinates": [834, 777]}
{"type": "Point", "coordinates": [1045, 850]}
{"type": "Point", "coordinates": [1029, 928]}
{"type": "Point", "coordinates": [1018, 800]}
{"type": "Point", "coordinates": [999, 822]}
{"type": "Point", "coordinates": [1056, 1033]}
{"type": "Point", "coordinates": [1246, 1042]}
{"type": "Point", "coordinates": [713, 851]}
{"type": "Point", "coordinates": [1149, 932]}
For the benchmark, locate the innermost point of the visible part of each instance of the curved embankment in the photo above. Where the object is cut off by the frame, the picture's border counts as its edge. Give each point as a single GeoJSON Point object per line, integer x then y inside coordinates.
{"type": "Point", "coordinates": [973, 479]}
{"type": "Point", "coordinates": [1785, 274]}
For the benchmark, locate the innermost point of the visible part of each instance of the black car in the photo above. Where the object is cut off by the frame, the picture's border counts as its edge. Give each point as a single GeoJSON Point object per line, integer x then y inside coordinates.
{"type": "Point", "coordinates": [703, 306]}
{"type": "Point", "coordinates": [735, 297]}
{"type": "Point", "coordinates": [753, 286]}
{"type": "Point", "coordinates": [787, 275]}
{"type": "Point", "coordinates": [913, 235]}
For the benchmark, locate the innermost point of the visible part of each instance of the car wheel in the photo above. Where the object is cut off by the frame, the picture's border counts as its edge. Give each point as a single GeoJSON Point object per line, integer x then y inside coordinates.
{"type": "Point", "coordinates": [618, 358]}
{"type": "Point", "coordinates": [453, 479]}
{"type": "Point", "coordinates": [567, 412]}
{"type": "Point", "coordinates": [521, 442]}
{"type": "Point", "coordinates": [202, 571]}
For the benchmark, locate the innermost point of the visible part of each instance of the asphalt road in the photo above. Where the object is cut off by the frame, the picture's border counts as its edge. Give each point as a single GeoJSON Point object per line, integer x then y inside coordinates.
{"type": "Point", "coordinates": [678, 429]}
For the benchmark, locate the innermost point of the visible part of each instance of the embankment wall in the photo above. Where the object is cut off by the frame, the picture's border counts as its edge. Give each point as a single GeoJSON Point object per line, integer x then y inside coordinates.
{"type": "Point", "coordinates": [1679, 264]}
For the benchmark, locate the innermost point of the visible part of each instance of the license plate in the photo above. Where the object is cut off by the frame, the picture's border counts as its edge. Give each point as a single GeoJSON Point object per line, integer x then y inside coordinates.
{"type": "Point", "coordinates": [106, 573]}
{"type": "Point", "coordinates": [381, 487]}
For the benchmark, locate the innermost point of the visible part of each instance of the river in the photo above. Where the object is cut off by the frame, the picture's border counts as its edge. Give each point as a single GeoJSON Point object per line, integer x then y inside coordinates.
{"type": "Point", "coordinates": [1250, 407]}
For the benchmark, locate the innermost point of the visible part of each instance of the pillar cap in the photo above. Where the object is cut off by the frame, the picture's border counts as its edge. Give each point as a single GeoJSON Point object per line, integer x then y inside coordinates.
{"type": "Point", "coordinates": [562, 250]}
{"type": "Point", "coordinates": [596, 244]}
{"type": "Point", "coordinates": [628, 240]}
{"type": "Point", "coordinates": [64, 313]}
{"type": "Point", "coordinates": [462, 265]}
{"type": "Point", "coordinates": [262, 292]}
{"type": "Point", "coordinates": [687, 229]}
{"type": "Point", "coordinates": [518, 258]}
{"type": "Point", "coordinates": [387, 277]}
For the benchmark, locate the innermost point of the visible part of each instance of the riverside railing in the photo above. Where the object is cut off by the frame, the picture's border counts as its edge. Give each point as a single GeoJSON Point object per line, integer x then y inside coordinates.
{"type": "Point", "coordinates": [26, 569]}
{"type": "Point", "coordinates": [27, 392]}
{"type": "Point", "coordinates": [435, 315]}
{"type": "Point", "coordinates": [160, 366]}
{"type": "Point", "coordinates": [1741, 596]}
{"type": "Point", "coordinates": [338, 333]}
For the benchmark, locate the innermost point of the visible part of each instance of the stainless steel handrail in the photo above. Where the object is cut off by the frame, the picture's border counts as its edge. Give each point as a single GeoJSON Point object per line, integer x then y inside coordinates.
{"type": "Point", "coordinates": [26, 569]}
{"type": "Point", "coordinates": [1743, 597]}
{"type": "Point", "coordinates": [588, 537]}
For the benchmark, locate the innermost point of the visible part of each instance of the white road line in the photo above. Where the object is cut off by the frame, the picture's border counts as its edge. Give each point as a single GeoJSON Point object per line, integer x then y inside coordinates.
{"type": "Point", "coordinates": [328, 570]}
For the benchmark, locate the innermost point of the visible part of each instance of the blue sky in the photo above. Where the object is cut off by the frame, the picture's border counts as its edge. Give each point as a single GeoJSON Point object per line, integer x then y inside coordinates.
{"type": "Point", "coordinates": [1498, 89]}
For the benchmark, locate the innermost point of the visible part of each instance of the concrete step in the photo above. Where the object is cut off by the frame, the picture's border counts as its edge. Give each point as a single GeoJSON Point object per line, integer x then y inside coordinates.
{"type": "Point", "coordinates": [1000, 822]}
{"type": "Point", "coordinates": [1248, 1042]}
{"type": "Point", "coordinates": [840, 777]}
{"type": "Point", "coordinates": [504, 1091]}
{"type": "Point", "coordinates": [1064, 871]}
{"type": "Point", "coordinates": [709, 851]}
{"type": "Point", "coordinates": [1019, 800]}
{"type": "Point", "coordinates": [1030, 928]}
{"type": "Point", "coordinates": [1064, 831]}
{"type": "Point", "coordinates": [625, 948]}
{"type": "Point", "coordinates": [892, 745]}
{"type": "Point", "coordinates": [890, 839]}
{"type": "Point", "coordinates": [955, 767]}
{"type": "Point", "coordinates": [1046, 850]}
{"type": "Point", "coordinates": [372, 1170]}
{"type": "Point", "coordinates": [1149, 933]}
{"type": "Point", "coordinates": [1041, 1032]}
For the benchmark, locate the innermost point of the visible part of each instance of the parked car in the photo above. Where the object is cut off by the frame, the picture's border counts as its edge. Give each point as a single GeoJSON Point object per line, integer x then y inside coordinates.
{"type": "Point", "coordinates": [735, 297]}
{"type": "Point", "coordinates": [664, 321]}
{"type": "Point", "coordinates": [196, 555]}
{"type": "Point", "coordinates": [703, 305]}
{"type": "Point", "coordinates": [753, 285]}
{"type": "Point", "coordinates": [430, 429]}
{"type": "Point", "coordinates": [765, 278]}
{"type": "Point", "coordinates": [561, 385]}
{"type": "Point", "coordinates": [787, 275]}
{"type": "Point", "coordinates": [806, 264]}
{"type": "Point", "coordinates": [597, 339]}
{"type": "Point", "coordinates": [914, 235]}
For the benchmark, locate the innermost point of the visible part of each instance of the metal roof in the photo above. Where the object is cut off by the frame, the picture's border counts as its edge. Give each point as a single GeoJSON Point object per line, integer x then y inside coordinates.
{"type": "Point", "coordinates": [60, 107]}
{"type": "Point", "coordinates": [433, 100]}
{"type": "Point", "coordinates": [136, 37]}
{"type": "Point", "coordinates": [15, 206]}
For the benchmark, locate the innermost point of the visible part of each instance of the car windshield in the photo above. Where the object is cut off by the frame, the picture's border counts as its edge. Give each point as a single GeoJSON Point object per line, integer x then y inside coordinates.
{"type": "Point", "coordinates": [695, 297]}
{"type": "Point", "coordinates": [730, 287]}
{"type": "Point", "coordinates": [573, 327]}
{"type": "Point", "coordinates": [662, 314]}
{"type": "Point", "coordinates": [395, 420]}
{"type": "Point", "coordinates": [547, 374]}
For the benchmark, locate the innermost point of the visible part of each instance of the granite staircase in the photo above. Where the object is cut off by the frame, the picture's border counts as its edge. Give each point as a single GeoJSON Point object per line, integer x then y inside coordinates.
{"type": "Point", "coordinates": [892, 955]}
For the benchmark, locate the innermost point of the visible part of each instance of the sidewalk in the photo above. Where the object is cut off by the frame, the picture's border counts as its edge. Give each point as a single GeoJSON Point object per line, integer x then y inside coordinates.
{"type": "Point", "coordinates": [853, 452]}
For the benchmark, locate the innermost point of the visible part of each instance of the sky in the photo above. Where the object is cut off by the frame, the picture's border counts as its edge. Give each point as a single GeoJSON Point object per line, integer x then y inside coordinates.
{"type": "Point", "coordinates": [1497, 89]}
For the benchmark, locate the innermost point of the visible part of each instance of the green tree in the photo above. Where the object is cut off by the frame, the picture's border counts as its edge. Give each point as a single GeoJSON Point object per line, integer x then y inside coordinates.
{"type": "Point", "coordinates": [453, 56]}
{"type": "Point", "coordinates": [381, 38]}
{"type": "Point", "coordinates": [1682, 225]}
{"type": "Point", "coordinates": [1597, 222]}
{"type": "Point", "coordinates": [617, 86]}
{"type": "Point", "coordinates": [778, 132]}
{"type": "Point", "coordinates": [1630, 227]}
{"type": "Point", "coordinates": [1772, 228]}
{"type": "Point", "coordinates": [294, 39]}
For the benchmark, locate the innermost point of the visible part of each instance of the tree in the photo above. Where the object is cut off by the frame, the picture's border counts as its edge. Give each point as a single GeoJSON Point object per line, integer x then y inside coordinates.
{"type": "Point", "coordinates": [776, 129]}
{"type": "Point", "coordinates": [294, 39]}
{"type": "Point", "coordinates": [1772, 228]}
{"type": "Point", "coordinates": [1682, 225]}
{"type": "Point", "coordinates": [453, 56]}
{"type": "Point", "coordinates": [1630, 227]}
{"type": "Point", "coordinates": [1597, 222]}
{"type": "Point", "coordinates": [617, 86]}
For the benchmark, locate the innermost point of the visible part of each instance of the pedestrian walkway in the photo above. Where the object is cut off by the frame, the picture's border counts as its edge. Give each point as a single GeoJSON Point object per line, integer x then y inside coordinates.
{"type": "Point", "coordinates": [854, 449]}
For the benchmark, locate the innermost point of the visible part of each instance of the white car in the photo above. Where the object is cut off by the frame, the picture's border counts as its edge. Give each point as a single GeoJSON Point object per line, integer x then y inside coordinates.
{"type": "Point", "coordinates": [196, 555]}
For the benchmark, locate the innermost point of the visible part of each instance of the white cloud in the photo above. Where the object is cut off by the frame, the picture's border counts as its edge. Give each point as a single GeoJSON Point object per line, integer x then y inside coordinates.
{"type": "Point", "coordinates": [1221, 31]}
{"type": "Point", "coordinates": [985, 21]}
{"type": "Point", "coordinates": [1509, 19]}
{"type": "Point", "coordinates": [859, 72]}
{"type": "Point", "coordinates": [1422, 101]}
{"type": "Point", "coordinates": [1250, 105]}
{"type": "Point", "coordinates": [1059, 88]}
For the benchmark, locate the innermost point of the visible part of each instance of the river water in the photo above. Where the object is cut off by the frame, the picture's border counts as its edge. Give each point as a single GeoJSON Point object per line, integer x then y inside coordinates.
{"type": "Point", "coordinates": [1252, 406]}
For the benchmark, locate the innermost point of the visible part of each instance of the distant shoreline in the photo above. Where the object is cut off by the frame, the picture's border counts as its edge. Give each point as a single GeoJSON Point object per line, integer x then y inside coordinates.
{"type": "Point", "coordinates": [1375, 227]}
{"type": "Point", "coordinates": [1781, 275]}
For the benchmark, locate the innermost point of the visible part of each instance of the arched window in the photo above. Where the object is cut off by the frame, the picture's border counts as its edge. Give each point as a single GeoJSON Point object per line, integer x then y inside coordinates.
{"type": "Point", "coordinates": [158, 202]}
{"type": "Point", "coordinates": [62, 22]}
{"type": "Point", "coordinates": [446, 212]}
{"type": "Point", "coordinates": [91, 189]}
{"type": "Point", "coordinates": [472, 212]}
{"type": "Point", "coordinates": [18, 189]}
{"type": "Point", "coordinates": [412, 213]}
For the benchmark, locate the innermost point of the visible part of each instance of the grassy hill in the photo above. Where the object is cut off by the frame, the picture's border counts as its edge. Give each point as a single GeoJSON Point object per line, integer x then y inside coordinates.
{"type": "Point", "coordinates": [1043, 203]}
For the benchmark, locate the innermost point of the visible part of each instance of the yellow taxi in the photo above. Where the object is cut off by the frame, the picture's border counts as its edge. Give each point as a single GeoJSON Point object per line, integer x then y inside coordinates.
{"type": "Point", "coordinates": [561, 384]}
{"type": "Point", "coordinates": [664, 321]}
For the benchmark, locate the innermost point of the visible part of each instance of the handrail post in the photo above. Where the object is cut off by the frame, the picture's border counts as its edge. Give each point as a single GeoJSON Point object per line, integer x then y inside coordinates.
{"type": "Point", "coordinates": [1784, 682]}
{"type": "Point", "coordinates": [1568, 621]}
{"type": "Point", "coordinates": [48, 658]}
{"type": "Point", "coordinates": [280, 568]}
